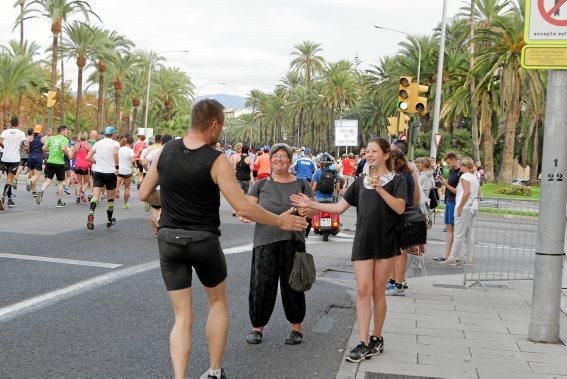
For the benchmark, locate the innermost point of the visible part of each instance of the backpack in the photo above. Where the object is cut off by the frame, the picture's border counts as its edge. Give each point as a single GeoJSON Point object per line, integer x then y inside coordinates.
{"type": "Point", "coordinates": [326, 182]}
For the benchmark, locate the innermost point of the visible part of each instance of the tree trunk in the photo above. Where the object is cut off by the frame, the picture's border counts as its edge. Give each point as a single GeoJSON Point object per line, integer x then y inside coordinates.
{"type": "Point", "coordinates": [62, 94]}
{"type": "Point", "coordinates": [506, 167]}
{"type": "Point", "coordinates": [53, 82]}
{"type": "Point", "coordinates": [487, 137]}
{"type": "Point", "coordinates": [474, 100]}
{"type": "Point", "coordinates": [100, 118]}
{"type": "Point", "coordinates": [22, 4]}
{"type": "Point", "coordinates": [117, 99]}
{"type": "Point", "coordinates": [79, 99]}
{"type": "Point", "coordinates": [534, 166]}
{"type": "Point", "coordinates": [134, 116]}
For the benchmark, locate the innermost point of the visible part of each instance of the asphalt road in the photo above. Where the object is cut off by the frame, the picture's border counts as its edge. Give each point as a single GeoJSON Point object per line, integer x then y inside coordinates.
{"type": "Point", "coordinates": [68, 319]}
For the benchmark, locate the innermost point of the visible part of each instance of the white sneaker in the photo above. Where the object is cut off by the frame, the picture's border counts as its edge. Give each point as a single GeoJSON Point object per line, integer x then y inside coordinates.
{"type": "Point", "coordinates": [450, 262]}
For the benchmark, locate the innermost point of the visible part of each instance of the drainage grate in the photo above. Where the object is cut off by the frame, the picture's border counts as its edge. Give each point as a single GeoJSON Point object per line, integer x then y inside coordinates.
{"type": "Point", "coordinates": [375, 375]}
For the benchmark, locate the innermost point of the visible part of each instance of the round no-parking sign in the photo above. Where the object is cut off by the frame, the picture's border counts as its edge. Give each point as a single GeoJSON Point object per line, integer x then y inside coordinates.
{"type": "Point", "coordinates": [546, 22]}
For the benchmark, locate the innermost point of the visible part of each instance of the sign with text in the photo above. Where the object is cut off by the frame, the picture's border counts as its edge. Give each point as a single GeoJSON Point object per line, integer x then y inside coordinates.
{"type": "Point", "coordinates": [346, 132]}
{"type": "Point", "coordinates": [544, 57]}
{"type": "Point", "coordinates": [546, 22]}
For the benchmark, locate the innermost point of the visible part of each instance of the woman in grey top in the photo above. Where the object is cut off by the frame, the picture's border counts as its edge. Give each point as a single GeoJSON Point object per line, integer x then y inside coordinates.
{"type": "Point", "coordinates": [274, 250]}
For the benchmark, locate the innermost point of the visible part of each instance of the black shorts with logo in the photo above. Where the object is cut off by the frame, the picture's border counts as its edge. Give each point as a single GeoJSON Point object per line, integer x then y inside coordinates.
{"type": "Point", "coordinates": [104, 180]}
{"type": "Point", "coordinates": [182, 250]}
{"type": "Point", "coordinates": [55, 170]}
{"type": "Point", "coordinates": [10, 167]}
{"type": "Point", "coordinates": [82, 171]}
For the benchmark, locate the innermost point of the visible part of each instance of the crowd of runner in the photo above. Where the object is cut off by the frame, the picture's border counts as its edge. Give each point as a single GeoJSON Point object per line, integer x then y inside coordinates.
{"type": "Point", "coordinates": [285, 187]}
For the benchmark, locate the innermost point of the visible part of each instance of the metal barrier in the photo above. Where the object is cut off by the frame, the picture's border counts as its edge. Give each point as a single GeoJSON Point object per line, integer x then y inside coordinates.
{"type": "Point", "coordinates": [502, 240]}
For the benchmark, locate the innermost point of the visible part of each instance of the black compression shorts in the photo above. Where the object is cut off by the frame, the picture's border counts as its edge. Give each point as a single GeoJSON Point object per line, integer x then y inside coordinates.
{"type": "Point", "coordinates": [101, 180]}
{"type": "Point", "coordinates": [181, 250]}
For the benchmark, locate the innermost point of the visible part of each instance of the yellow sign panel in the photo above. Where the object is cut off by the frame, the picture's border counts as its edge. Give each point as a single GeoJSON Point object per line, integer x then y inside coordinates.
{"type": "Point", "coordinates": [537, 57]}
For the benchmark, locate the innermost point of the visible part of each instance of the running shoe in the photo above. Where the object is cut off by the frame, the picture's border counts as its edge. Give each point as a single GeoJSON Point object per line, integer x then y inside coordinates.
{"type": "Point", "coordinates": [1, 205]}
{"type": "Point", "coordinates": [61, 204]}
{"type": "Point", "coordinates": [15, 184]}
{"type": "Point", "coordinates": [34, 194]}
{"type": "Point", "coordinates": [390, 286]}
{"type": "Point", "coordinates": [126, 206]}
{"type": "Point", "coordinates": [66, 190]}
{"type": "Point", "coordinates": [222, 375]}
{"type": "Point", "coordinates": [359, 353]}
{"type": "Point", "coordinates": [395, 291]}
{"type": "Point", "coordinates": [405, 285]}
{"type": "Point", "coordinates": [450, 262]}
{"type": "Point", "coordinates": [90, 221]}
{"type": "Point", "coordinates": [11, 203]}
{"type": "Point", "coordinates": [376, 345]}
{"type": "Point", "coordinates": [39, 197]}
{"type": "Point", "coordinates": [110, 222]}
{"type": "Point", "coordinates": [147, 207]}
{"type": "Point", "coordinates": [84, 199]}
{"type": "Point", "coordinates": [28, 186]}
{"type": "Point", "coordinates": [3, 201]}
{"type": "Point", "coordinates": [78, 200]}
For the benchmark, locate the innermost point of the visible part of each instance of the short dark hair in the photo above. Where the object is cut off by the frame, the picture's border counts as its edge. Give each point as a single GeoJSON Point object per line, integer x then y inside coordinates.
{"type": "Point", "coordinates": [30, 131]}
{"type": "Point", "coordinates": [129, 140]}
{"type": "Point", "coordinates": [61, 128]}
{"type": "Point", "coordinates": [157, 138]}
{"type": "Point", "coordinates": [450, 155]}
{"type": "Point", "coordinates": [402, 145]}
{"type": "Point", "coordinates": [14, 121]}
{"type": "Point", "coordinates": [205, 112]}
{"type": "Point", "coordinates": [166, 138]}
{"type": "Point", "coordinates": [142, 137]}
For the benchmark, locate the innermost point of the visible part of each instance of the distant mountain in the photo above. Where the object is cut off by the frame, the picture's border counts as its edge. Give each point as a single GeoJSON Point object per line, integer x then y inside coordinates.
{"type": "Point", "coordinates": [229, 101]}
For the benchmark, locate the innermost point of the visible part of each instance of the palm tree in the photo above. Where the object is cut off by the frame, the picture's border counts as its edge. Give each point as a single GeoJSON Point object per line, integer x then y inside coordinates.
{"type": "Point", "coordinates": [56, 11]}
{"type": "Point", "coordinates": [121, 64]}
{"type": "Point", "coordinates": [21, 18]}
{"type": "Point", "coordinates": [173, 90]}
{"type": "Point", "coordinates": [307, 59]}
{"type": "Point", "coordinates": [78, 44]}
{"type": "Point", "coordinates": [136, 82]}
{"type": "Point", "coordinates": [254, 100]}
{"type": "Point", "coordinates": [503, 58]}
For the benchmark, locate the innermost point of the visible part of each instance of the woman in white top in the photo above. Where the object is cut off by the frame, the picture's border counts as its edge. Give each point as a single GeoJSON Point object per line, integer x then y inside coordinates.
{"type": "Point", "coordinates": [126, 159]}
{"type": "Point", "coordinates": [467, 191]}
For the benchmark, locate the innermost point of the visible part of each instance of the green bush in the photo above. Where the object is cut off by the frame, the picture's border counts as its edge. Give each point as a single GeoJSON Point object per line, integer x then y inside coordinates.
{"type": "Point", "coordinates": [516, 191]}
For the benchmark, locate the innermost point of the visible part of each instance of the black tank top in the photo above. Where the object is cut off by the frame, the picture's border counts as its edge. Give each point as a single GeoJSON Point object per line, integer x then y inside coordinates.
{"type": "Point", "coordinates": [190, 199]}
{"type": "Point", "coordinates": [243, 169]}
{"type": "Point", "coordinates": [36, 145]}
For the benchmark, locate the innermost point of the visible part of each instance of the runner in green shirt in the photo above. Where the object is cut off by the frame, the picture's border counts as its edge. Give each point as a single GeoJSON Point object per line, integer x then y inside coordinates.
{"type": "Point", "coordinates": [58, 147]}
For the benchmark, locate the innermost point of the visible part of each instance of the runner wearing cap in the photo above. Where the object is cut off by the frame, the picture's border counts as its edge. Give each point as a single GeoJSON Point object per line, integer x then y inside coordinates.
{"type": "Point", "coordinates": [104, 154]}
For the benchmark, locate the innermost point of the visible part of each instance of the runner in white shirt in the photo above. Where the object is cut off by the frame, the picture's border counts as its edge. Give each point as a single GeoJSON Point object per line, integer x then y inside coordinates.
{"type": "Point", "coordinates": [104, 154]}
{"type": "Point", "coordinates": [147, 162]}
{"type": "Point", "coordinates": [11, 141]}
{"type": "Point", "coordinates": [126, 157]}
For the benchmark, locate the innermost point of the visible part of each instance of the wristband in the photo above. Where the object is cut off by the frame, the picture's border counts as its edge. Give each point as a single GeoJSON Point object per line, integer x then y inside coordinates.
{"type": "Point", "coordinates": [116, 167]}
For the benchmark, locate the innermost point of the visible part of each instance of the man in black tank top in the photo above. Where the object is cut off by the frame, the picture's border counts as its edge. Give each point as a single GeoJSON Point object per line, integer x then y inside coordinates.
{"type": "Point", "coordinates": [191, 174]}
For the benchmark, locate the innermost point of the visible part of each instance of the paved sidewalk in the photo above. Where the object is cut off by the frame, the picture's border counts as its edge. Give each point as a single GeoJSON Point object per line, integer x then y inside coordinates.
{"type": "Point", "coordinates": [441, 332]}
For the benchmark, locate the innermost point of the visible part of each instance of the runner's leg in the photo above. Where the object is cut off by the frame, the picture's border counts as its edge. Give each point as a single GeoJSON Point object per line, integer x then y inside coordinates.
{"type": "Point", "coordinates": [181, 333]}
{"type": "Point", "coordinates": [217, 323]}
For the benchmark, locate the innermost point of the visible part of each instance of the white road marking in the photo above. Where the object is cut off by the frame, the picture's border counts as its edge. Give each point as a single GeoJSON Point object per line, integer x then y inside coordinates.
{"type": "Point", "coordinates": [36, 303]}
{"type": "Point", "coordinates": [59, 260]}
{"type": "Point", "coordinates": [27, 232]}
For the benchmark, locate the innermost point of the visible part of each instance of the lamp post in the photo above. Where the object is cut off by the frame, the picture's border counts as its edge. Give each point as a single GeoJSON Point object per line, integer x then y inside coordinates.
{"type": "Point", "coordinates": [206, 85]}
{"type": "Point", "coordinates": [416, 42]}
{"type": "Point", "coordinates": [150, 66]}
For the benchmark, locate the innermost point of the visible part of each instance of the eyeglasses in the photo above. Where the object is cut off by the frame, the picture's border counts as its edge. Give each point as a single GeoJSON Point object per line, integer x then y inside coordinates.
{"type": "Point", "coordinates": [280, 157]}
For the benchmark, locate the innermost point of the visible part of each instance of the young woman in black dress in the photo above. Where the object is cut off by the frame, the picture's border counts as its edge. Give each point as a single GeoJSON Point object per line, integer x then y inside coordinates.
{"type": "Point", "coordinates": [380, 199]}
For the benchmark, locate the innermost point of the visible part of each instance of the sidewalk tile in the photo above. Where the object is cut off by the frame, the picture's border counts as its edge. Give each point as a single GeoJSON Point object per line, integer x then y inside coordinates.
{"type": "Point", "coordinates": [549, 368]}
{"type": "Point", "coordinates": [504, 374]}
{"type": "Point", "coordinates": [400, 338]}
{"type": "Point", "coordinates": [518, 355]}
{"type": "Point", "coordinates": [519, 329]}
{"type": "Point", "coordinates": [488, 316]}
{"type": "Point", "coordinates": [486, 363]}
{"type": "Point", "coordinates": [439, 324]}
{"type": "Point", "coordinates": [449, 316]}
{"type": "Point", "coordinates": [402, 308]}
{"type": "Point", "coordinates": [459, 351]}
{"type": "Point", "coordinates": [495, 336]}
{"type": "Point", "coordinates": [450, 342]}
{"type": "Point", "coordinates": [522, 316]}
{"type": "Point", "coordinates": [441, 305]}
{"type": "Point", "coordinates": [373, 364]}
{"type": "Point", "coordinates": [543, 348]}
{"type": "Point", "coordinates": [419, 300]}
{"type": "Point", "coordinates": [433, 332]}
{"type": "Point", "coordinates": [393, 323]}
{"type": "Point", "coordinates": [429, 296]}
{"type": "Point", "coordinates": [423, 370]}
{"type": "Point", "coordinates": [503, 294]}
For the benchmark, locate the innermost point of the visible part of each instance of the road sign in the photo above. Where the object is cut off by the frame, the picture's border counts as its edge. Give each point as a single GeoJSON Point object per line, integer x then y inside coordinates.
{"type": "Point", "coordinates": [546, 22]}
{"type": "Point", "coordinates": [346, 132]}
{"type": "Point", "coordinates": [544, 57]}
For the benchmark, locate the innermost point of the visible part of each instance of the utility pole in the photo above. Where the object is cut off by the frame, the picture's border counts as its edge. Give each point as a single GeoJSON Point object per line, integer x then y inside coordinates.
{"type": "Point", "coordinates": [550, 249]}
{"type": "Point", "coordinates": [439, 84]}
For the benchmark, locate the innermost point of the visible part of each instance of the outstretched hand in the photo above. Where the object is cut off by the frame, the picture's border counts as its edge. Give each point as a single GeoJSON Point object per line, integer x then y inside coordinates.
{"type": "Point", "coordinates": [292, 223]}
{"type": "Point", "coordinates": [301, 200]}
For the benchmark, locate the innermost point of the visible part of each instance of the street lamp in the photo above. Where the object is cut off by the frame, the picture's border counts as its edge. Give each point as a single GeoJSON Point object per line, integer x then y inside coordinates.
{"type": "Point", "coordinates": [416, 42]}
{"type": "Point", "coordinates": [150, 66]}
{"type": "Point", "coordinates": [206, 85]}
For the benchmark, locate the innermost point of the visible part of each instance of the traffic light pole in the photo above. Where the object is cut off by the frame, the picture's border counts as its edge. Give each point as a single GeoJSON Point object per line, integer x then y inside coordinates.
{"type": "Point", "coordinates": [550, 249]}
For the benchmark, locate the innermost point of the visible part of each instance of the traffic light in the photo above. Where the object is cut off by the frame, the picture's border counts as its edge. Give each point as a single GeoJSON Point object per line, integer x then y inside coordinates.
{"type": "Point", "coordinates": [404, 93]}
{"type": "Point", "coordinates": [417, 104]}
{"type": "Point", "coordinates": [393, 126]}
{"type": "Point", "coordinates": [51, 98]}
{"type": "Point", "coordinates": [398, 124]}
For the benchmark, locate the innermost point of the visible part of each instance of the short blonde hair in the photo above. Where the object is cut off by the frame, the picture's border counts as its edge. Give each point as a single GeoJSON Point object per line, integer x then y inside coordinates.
{"type": "Point", "coordinates": [467, 162]}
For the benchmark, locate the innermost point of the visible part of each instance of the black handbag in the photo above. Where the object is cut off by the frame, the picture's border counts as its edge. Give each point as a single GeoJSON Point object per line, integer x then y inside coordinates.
{"type": "Point", "coordinates": [412, 228]}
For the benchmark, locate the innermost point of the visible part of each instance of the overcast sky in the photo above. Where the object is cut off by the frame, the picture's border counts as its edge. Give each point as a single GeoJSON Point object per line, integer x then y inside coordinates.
{"type": "Point", "coordinates": [247, 43]}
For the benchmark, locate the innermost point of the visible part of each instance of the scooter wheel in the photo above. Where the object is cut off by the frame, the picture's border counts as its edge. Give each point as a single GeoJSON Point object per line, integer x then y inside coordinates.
{"type": "Point", "coordinates": [325, 237]}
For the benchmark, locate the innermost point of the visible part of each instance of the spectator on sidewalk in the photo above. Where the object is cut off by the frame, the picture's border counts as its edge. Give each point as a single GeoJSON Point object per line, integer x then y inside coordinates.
{"type": "Point", "coordinates": [274, 250]}
{"type": "Point", "coordinates": [349, 170]}
{"type": "Point", "coordinates": [450, 184]}
{"type": "Point", "coordinates": [467, 190]}
{"type": "Point", "coordinates": [380, 200]}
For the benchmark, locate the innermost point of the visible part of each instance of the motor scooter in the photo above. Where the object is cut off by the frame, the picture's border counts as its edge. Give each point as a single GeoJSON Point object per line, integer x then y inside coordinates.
{"type": "Point", "coordinates": [326, 224]}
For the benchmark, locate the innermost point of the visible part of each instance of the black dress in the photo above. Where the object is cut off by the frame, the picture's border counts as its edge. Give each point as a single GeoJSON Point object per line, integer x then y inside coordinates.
{"type": "Point", "coordinates": [375, 236]}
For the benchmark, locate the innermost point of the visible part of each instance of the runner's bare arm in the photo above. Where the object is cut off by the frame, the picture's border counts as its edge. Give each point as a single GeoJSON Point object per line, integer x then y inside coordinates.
{"type": "Point", "coordinates": [222, 173]}
{"type": "Point", "coordinates": [90, 156]}
{"type": "Point", "coordinates": [147, 190]}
